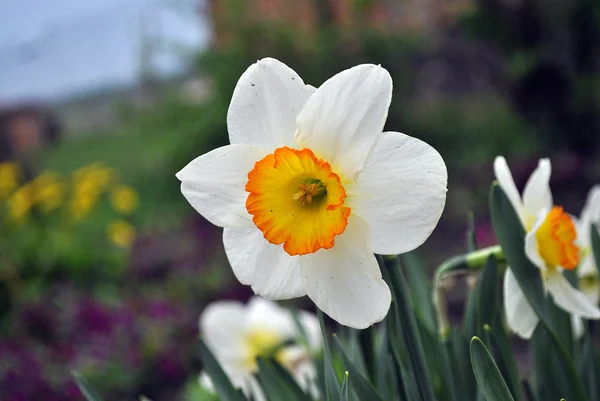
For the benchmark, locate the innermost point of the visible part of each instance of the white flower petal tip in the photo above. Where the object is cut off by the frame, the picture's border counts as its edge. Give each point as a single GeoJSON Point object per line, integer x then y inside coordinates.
{"type": "Point", "coordinates": [344, 118]}
{"type": "Point", "coordinates": [507, 183]}
{"type": "Point", "coordinates": [569, 298]}
{"type": "Point", "coordinates": [214, 184]}
{"type": "Point", "coordinates": [401, 193]}
{"type": "Point", "coordinates": [537, 195]}
{"type": "Point", "coordinates": [345, 281]}
{"type": "Point", "coordinates": [520, 315]}
{"type": "Point", "coordinates": [265, 103]}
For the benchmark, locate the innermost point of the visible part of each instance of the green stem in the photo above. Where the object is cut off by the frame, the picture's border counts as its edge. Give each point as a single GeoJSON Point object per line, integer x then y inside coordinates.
{"type": "Point", "coordinates": [457, 264]}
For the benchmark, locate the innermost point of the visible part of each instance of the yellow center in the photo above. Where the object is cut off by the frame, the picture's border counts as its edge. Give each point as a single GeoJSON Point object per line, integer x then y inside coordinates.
{"type": "Point", "coordinates": [297, 200]}
{"type": "Point", "coordinates": [260, 343]}
{"type": "Point", "coordinates": [556, 240]}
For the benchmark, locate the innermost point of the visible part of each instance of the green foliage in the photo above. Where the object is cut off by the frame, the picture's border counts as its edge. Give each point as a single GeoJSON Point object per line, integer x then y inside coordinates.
{"type": "Point", "coordinates": [89, 392]}
{"type": "Point", "coordinates": [488, 376]}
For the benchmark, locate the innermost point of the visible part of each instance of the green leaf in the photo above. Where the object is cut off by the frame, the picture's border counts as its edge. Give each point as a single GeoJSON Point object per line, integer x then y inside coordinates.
{"type": "Point", "coordinates": [511, 236]}
{"type": "Point", "coordinates": [595, 235]}
{"type": "Point", "coordinates": [488, 376]}
{"type": "Point", "coordinates": [501, 350]}
{"type": "Point", "coordinates": [407, 325]}
{"type": "Point", "coordinates": [452, 380]}
{"type": "Point", "coordinates": [345, 392]}
{"type": "Point", "coordinates": [420, 290]}
{"type": "Point", "coordinates": [363, 388]}
{"type": "Point", "coordinates": [332, 384]}
{"type": "Point", "coordinates": [223, 386]}
{"type": "Point", "coordinates": [88, 391]}
{"type": "Point", "coordinates": [470, 235]}
{"type": "Point", "coordinates": [482, 302]}
{"type": "Point", "coordinates": [275, 383]}
{"type": "Point", "coordinates": [589, 367]}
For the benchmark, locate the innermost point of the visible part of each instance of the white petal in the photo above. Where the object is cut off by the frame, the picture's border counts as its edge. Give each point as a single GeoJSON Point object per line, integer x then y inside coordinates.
{"type": "Point", "coordinates": [401, 193]}
{"type": "Point", "coordinates": [312, 329]}
{"type": "Point", "coordinates": [537, 195]}
{"type": "Point", "coordinates": [507, 183]}
{"type": "Point", "coordinates": [591, 288]}
{"type": "Point", "coordinates": [520, 316]}
{"type": "Point", "coordinates": [591, 211]}
{"type": "Point", "coordinates": [270, 271]}
{"type": "Point", "coordinates": [587, 267]}
{"type": "Point", "coordinates": [306, 376]}
{"type": "Point", "coordinates": [569, 298]}
{"type": "Point", "coordinates": [267, 315]}
{"type": "Point", "coordinates": [344, 118]}
{"type": "Point", "coordinates": [265, 104]}
{"type": "Point", "coordinates": [251, 388]}
{"type": "Point", "coordinates": [206, 382]}
{"type": "Point", "coordinates": [214, 184]}
{"type": "Point", "coordinates": [345, 281]}
{"type": "Point", "coordinates": [223, 327]}
{"type": "Point", "coordinates": [531, 248]}
{"type": "Point", "coordinates": [577, 327]}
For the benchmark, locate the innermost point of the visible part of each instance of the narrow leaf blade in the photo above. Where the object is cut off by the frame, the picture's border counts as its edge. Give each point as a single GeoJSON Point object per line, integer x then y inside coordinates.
{"type": "Point", "coordinates": [88, 391]}
{"type": "Point", "coordinates": [488, 375]}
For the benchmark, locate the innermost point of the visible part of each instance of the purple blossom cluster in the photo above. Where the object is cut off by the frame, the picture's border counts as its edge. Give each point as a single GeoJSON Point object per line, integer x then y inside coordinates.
{"type": "Point", "coordinates": [132, 337]}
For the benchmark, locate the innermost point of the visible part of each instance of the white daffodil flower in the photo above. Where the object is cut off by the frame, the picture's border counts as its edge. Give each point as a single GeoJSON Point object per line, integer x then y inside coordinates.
{"type": "Point", "coordinates": [587, 272]}
{"type": "Point", "coordinates": [237, 334]}
{"type": "Point", "coordinates": [589, 280]}
{"type": "Point", "coordinates": [550, 243]}
{"type": "Point", "coordinates": [310, 188]}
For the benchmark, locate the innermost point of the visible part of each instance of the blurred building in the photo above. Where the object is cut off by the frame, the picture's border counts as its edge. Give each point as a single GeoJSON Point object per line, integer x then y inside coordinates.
{"type": "Point", "coordinates": [25, 128]}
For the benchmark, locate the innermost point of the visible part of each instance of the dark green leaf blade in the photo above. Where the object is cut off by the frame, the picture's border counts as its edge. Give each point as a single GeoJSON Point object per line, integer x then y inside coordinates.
{"type": "Point", "coordinates": [88, 391]}
{"type": "Point", "coordinates": [277, 387]}
{"type": "Point", "coordinates": [488, 376]}
{"type": "Point", "coordinates": [332, 384]}
{"type": "Point", "coordinates": [345, 392]}
{"type": "Point", "coordinates": [410, 333]}
{"type": "Point", "coordinates": [363, 388]}
{"type": "Point", "coordinates": [223, 386]}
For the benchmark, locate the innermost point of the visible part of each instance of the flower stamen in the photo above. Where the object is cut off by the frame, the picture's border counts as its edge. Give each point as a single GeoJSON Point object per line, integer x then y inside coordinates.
{"type": "Point", "coordinates": [309, 191]}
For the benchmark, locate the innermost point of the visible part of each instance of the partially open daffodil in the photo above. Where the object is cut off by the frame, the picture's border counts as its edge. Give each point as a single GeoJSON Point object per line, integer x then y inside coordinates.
{"type": "Point", "coordinates": [237, 334]}
{"type": "Point", "coordinates": [310, 187]}
{"type": "Point", "coordinates": [550, 244]}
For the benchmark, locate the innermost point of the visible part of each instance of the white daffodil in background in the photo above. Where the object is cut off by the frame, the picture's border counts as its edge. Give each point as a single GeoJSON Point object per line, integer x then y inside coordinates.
{"type": "Point", "coordinates": [310, 188]}
{"type": "Point", "coordinates": [237, 334]}
{"type": "Point", "coordinates": [589, 280]}
{"type": "Point", "coordinates": [550, 243]}
{"type": "Point", "coordinates": [587, 272]}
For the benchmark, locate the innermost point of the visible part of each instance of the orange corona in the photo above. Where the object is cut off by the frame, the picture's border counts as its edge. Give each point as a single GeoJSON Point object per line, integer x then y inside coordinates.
{"type": "Point", "coordinates": [297, 200]}
{"type": "Point", "coordinates": [556, 240]}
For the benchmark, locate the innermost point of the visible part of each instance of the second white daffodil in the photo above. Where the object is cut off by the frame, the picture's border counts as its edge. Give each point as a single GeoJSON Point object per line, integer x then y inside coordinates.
{"type": "Point", "coordinates": [550, 244]}
{"type": "Point", "coordinates": [310, 188]}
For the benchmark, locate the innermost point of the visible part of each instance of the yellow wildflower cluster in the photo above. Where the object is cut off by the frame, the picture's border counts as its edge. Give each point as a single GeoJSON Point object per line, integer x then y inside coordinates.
{"type": "Point", "coordinates": [75, 196]}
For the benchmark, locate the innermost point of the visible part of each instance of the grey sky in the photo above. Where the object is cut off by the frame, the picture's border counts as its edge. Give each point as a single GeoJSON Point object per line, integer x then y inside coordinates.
{"type": "Point", "coordinates": [51, 49]}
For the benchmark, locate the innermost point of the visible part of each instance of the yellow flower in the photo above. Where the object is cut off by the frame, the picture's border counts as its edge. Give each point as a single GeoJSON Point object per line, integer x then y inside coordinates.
{"type": "Point", "coordinates": [9, 178]}
{"type": "Point", "coordinates": [94, 178]}
{"type": "Point", "coordinates": [20, 203]}
{"type": "Point", "coordinates": [49, 191]}
{"type": "Point", "coordinates": [82, 204]}
{"type": "Point", "coordinates": [121, 233]}
{"type": "Point", "coordinates": [124, 199]}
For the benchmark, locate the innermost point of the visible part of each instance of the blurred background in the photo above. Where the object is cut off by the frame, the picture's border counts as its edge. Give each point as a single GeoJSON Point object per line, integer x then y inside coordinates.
{"type": "Point", "coordinates": [105, 268]}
